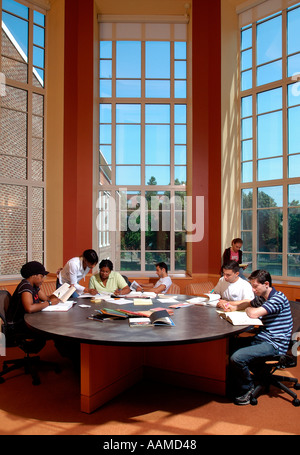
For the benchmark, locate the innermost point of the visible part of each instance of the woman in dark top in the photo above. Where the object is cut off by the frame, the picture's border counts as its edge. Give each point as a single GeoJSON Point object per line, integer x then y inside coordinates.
{"type": "Point", "coordinates": [28, 297]}
{"type": "Point", "coordinates": [234, 253]}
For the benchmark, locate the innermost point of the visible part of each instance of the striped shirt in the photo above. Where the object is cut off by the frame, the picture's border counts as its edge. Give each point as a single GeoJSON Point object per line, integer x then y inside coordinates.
{"type": "Point", "coordinates": [277, 323]}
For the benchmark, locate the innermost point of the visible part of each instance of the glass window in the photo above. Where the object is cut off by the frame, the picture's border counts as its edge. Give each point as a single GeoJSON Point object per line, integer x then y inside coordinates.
{"type": "Point", "coordinates": [269, 141]}
{"type": "Point", "coordinates": [143, 151]}
{"type": "Point", "coordinates": [22, 122]}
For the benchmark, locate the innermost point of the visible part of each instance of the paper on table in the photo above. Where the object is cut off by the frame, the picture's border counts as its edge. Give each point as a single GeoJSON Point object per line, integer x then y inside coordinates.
{"type": "Point", "coordinates": [61, 306]}
{"type": "Point", "coordinates": [120, 301]}
{"type": "Point", "coordinates": [169, 300]}
{"type": "Point", "coordinates": [142, 301]}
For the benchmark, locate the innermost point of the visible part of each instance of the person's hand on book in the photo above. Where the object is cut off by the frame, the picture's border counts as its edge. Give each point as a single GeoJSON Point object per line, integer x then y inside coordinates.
{"type": "Point", "coordinates": [90, 291]}
{"type": "Point", "coordinates": [225, 305]}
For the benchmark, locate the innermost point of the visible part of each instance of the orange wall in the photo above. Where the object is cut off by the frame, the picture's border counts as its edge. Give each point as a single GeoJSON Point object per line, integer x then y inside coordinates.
{"type": "Point", "coordinates": [206, 74]}
{"type": "Point", "coordinates": [78, 127]}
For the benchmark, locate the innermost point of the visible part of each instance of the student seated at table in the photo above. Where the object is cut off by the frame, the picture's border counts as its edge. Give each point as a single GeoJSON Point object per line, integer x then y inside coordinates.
{"type": "Point", "coordinates": [162, 285]}
{"type": "Point", "coordinates": [248, 353]}
{"type": "Point", "coordinates": [28, 297]}
{"type": "Point", "coordinates": [231, 287]}
{"type": "Point", "coordinates": [234, 253]}
{"type": "Point", "coordinates": [76, 269]}
{"type": "Point", "coordinates": [108, 281]}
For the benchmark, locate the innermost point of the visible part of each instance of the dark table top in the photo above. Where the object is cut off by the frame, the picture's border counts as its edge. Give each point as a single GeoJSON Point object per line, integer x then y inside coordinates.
{"type": "Point", "coordinates": [193, 324]}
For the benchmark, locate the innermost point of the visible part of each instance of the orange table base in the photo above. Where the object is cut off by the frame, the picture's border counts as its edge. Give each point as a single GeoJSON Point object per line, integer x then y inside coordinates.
{"type": "Point", "coordinates": [107, 371]}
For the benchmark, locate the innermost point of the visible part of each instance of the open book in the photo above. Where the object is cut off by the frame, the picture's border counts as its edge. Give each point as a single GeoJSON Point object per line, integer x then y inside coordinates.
{"type": "Point", "coordinates": [245, 264]}
{"type": "Point", "coordinates": [239, 318]}
{"type": "Point", "coordinates": [64, 292]}
{"type": "Point", "coordinates": [156, 318]}
{"type": "Point", "coordinates": [134, 285]}
{"type": "Point", "coordinates": [61, 306]}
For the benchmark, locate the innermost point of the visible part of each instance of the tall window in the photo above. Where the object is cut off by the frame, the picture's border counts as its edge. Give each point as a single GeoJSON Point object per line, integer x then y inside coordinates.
{"type": "Point", "coordinates": [142, 145]}
{"type": "Point", "coordinates": [22, 71]}
{"type": "Point", "coordinates": [270, 142]}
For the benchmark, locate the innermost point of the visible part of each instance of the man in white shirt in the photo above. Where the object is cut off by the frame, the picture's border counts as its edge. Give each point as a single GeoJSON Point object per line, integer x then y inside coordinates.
{"type": "Point", "coordinates": [231, 287]}
{"type": "Point", "coordinates": [76, 269]}
{"type": "Point", "coordinates": [164, 282]}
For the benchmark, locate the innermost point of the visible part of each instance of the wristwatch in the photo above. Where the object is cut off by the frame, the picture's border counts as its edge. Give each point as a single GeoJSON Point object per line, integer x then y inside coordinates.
{"type": "Point", "coordinates": [49, 301]}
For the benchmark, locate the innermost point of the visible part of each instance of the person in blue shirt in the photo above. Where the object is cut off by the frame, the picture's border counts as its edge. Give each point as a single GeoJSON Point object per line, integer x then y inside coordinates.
{"type": "Point", "coordinates": [247, 353]}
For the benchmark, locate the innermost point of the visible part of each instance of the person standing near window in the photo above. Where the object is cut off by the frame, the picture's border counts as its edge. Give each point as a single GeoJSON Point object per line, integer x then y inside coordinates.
{"type": "Point", "coordinates": [76, 269]}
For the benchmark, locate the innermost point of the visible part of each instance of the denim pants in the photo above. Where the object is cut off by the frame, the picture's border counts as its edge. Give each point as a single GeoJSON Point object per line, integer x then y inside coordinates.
{"type": "Point", "coordinates": [248, 354]}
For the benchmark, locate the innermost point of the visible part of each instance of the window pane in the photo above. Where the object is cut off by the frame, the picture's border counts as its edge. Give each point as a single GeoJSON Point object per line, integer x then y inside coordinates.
{"type": "Point", "coordinates": [128, 59]}
{"type": "Point", "coordinates": [180, 113]}
{"type": "Point", "coordinates": [105, 89]}
{"type": "Point", "coordinates": [158, 60]}
{"type": "Point", "coordinates": [180, 134]}
{"type": "Point", "coordinates": [293, 230]}
{"type": "Point", "coordinates": [105, 69]}
{"type": "Point", "coordinates": [157, 89]}
{"type": "Point", "coordinates": [247, 128]}
{"type": "Point", "coordinates": [246, 60]}
{"type": "Point", "coordinates": [128, 144]}
{"type": "Point", "coordinates": [247, 172]}
{"type": "Point", "coordinates": [294, 195]}
{"type": "Point", "coordinates": [271, 196]}
{"type": "Point", "coordinates": [294, 265]}
{"type": "Point", "coordinates": [269, 73]}
{"type": "Point", "coordinates": [16, 8]}
{"type": "Point", "coordinates": [180, 260]}
{"type": "Point", "coordinates": [128, 113]}
{"type": "Point", "coordinates": [247, 153]}
{"type": "Point", "coordinates": [105, 154]}
{"type": "Point", "coordinates": [180, 175]}
{"type": "Point", "coordinates": [180, 50]}
{"type": "Point", "coordinates": [246, 220]}
{"type": "Point", "coordinates": [130, 261]}
{"type": "Point", "coordinates": [38, 36]}
{"type": "Point", "coordinates": [246, 38]}
{"type": "Point", "coordinates": [269, 135]}
{"type": "Point", "coordinates": [293, 65]}
{"type": "Point", "coordinates": [105, 134]}
{"type": "Point", "coordinates": [294, 166]}
{"type": "Point", "coordinates": [270, 100]}
{"type": "Point", "coordinates": [246, 80]}
{"type": "Point", "coordinates": [293, 27]}
{"type": "Point", "coordinates": [180, 70]}
{"type": "Point", "coordinates": [293, 94]}
{"type": "Point", "coordinates": [247, 241]}
{"type": "Point", "coordinates": [157, 144]}
{"type": "Point", "coordinates": [125, 174]}
{"type": "Point", "coordinates": [126, 88]}
{"type": "Point", "coordinates": [269, 230]}
{"type": "Point", "coordinates": [154, 258]}
{"type": "Point", "coordinates": [105, 49]}
{"type": "Point", "coordinates": [19, 30]}
{"type": "Point", "coordinates": [270, 262]}
{"type": "Point", "coordinates": [105, 113]}
{"type": "Point", "coordinates": [269, 40]}
{"type": "Point", "coordinates": [247, 198]}
{"type": "Point", "coordinates": [180, 89]}
{"type": "Point", "coordinates": [246, 106]}
{"type": "Point", "coordinates": [180, 154]}
{"type": "Point", "coordinates": [39, 18]}
{"type": "Point", "coordinates": [270, 169]}
{"type": "Point", "coordinates": [157, 113]}
{"type": "Point", "coordinates": [157, 175]}
{"type": "Point", "coordinates": [294, 130]}
{"type": "Point", "coordinates": [158, 232]}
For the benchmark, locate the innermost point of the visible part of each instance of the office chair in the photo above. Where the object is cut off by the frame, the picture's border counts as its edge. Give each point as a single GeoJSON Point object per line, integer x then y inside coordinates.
{"type": "Point", "coordinates": [267, 376]}
{"type": "Point", "coordinates": [29, 346]}
{"type": "Point", "coordinates": [199, 288]}
{"type": "Point", "coordinates": [173, 289]}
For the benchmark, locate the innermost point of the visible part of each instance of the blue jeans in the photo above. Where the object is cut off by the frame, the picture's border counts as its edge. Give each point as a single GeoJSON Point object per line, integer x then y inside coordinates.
{"type": "Point", "coordinates": [248, 354]}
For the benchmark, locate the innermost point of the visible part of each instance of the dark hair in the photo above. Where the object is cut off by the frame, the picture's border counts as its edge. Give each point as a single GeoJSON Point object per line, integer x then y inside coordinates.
{"type": "Point", "coordinates": [90, 256]}
{"type": "Point", "coordinates": [106, 263]}
{"type": "Point", "coordinates": [232, 265]}
{"type": "Point", "coordinates": [237, 240]}
{"type": "Point", "coordinates": [33, 268]}
{"type": "Point", "coordinates": [162, 265]}
{"type": "Point", "coordinates": [261, 276]}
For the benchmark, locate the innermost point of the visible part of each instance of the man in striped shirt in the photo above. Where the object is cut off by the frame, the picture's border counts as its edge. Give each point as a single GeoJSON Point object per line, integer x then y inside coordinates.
{"type": "Point", "coordinates": [273, 338]}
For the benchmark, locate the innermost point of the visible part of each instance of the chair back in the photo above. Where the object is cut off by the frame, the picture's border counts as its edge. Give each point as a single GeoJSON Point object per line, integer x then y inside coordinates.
{"type": "Point", "coordinates": [173, 289]}
{"type": "Point", "coordinates": [4, 302]}
{"type": "Point", "coordinates": [199, 288]}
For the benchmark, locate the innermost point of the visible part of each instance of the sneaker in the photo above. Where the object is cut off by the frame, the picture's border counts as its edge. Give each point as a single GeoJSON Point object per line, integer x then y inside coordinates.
{"type": "Point", "coordinates": [244, 399]}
